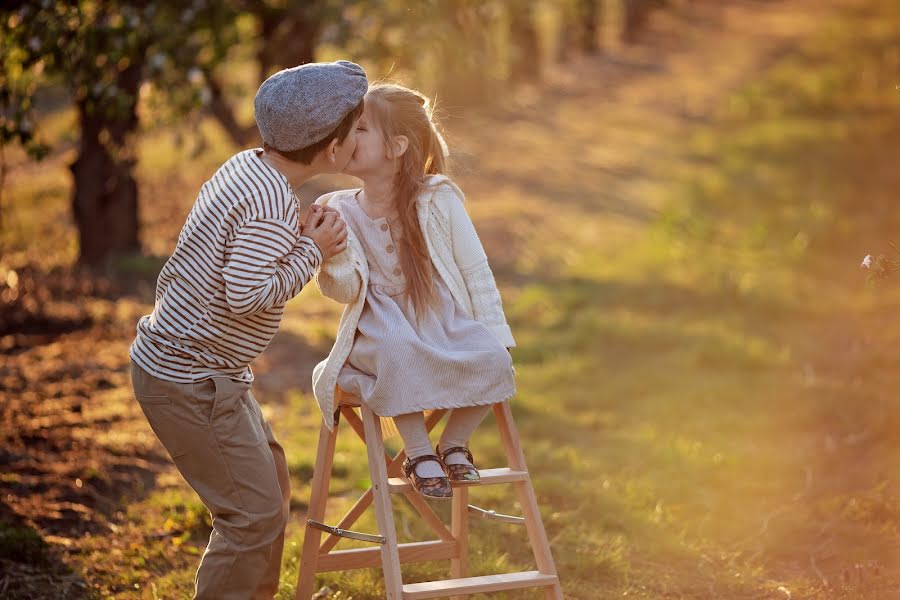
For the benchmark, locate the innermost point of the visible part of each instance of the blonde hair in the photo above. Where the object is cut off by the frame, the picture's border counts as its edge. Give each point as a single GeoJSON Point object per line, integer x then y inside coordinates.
{"type": "Point", "coordinates": [399, 110]}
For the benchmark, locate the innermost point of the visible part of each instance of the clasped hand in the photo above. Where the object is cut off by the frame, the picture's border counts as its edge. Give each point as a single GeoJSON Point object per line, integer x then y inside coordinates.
{"type": "Point", "coordinates": [326, 228]}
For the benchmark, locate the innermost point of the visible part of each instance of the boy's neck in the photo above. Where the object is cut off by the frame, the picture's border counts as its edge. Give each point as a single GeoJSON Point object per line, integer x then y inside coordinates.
{"type": "Point", "coordinates": [296, 173]}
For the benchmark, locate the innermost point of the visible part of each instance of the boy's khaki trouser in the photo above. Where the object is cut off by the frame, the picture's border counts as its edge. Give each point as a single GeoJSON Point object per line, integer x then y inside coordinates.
{"type": "Point", "coordinates": [224, 448]}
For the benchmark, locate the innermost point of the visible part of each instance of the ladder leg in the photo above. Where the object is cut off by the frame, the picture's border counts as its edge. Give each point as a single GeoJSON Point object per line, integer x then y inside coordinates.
{"type": "Point", "coordinates": [384, 512]}
{"type": "Point", "coordinates": [459, 527]}
{"type": "Point", "coordinates": [309, 557]}
{"type": "Point", "coordinates": [537, 535]}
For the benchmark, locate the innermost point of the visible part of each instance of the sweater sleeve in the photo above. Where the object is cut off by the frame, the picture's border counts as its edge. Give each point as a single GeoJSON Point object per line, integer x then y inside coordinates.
{"type": "Point", "coordinates": [337, 278]}
{"type": "Point", "coordinates": [266, 265]}
{"type": "Point", "coordinates": [476, 272]}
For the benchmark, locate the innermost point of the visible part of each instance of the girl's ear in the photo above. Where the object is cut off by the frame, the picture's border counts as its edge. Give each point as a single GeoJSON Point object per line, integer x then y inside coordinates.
{"type": "Point", "coordinates": [398, 146]}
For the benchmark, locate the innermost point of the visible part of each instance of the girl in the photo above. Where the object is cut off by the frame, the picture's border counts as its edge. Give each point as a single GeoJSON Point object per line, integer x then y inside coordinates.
{"type": "Point", "coordinates": [424, 326]}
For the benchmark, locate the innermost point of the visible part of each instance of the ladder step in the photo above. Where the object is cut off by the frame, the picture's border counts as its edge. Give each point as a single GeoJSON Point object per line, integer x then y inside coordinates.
{"type": "Point", "coordinates": [472, 585]}
{"type": "Point", "coordinates": [488, 477]}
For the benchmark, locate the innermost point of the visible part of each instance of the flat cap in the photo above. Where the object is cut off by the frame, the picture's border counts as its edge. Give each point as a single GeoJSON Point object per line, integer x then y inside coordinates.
{"type": "Point", "coordinates": [298, 107]}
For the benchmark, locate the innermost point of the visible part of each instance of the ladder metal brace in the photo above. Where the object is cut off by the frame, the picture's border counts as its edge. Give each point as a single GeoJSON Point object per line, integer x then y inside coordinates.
{"type": "Point", "coordinates": [495, 516]}
{"type": "Point", "coordinates": [345, 533]}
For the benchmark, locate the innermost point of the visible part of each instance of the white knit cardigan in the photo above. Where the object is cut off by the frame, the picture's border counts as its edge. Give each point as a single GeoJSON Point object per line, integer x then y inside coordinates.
{"type": "Point", "coordinates": [457, 256]}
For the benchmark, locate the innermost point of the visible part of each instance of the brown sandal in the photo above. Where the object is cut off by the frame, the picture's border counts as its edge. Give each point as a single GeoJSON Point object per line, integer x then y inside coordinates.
{"type": "Point", "coordinates": [459, 473]}
{"type": "Point", "coordinates": [430, 487]}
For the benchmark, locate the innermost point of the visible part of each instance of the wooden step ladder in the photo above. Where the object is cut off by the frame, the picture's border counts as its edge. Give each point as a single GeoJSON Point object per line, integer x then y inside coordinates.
{"type": "Point", "coordinates": [385, 473]}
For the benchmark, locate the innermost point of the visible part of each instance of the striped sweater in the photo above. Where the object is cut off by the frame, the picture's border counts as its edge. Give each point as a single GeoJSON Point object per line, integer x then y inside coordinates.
{"type": "Point", "coordinates": [221, 295]}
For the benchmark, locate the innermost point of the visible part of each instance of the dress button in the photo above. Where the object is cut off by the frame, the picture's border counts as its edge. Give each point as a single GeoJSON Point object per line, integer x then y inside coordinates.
{"type": "Point", "coordinates": [398, 271]}
{"type": "Point", "coordinates": [384, 226]}
{"type": "Point", "coordinates": [390, 248]}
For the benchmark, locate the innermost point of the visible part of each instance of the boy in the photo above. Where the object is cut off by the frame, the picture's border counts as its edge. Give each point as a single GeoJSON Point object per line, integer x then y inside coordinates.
{"type": "Point", "coordinates": [243, 252]}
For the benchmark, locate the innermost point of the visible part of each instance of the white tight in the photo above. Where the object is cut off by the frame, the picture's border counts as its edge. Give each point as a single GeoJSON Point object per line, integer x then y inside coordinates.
{"type": "Point", "coordinates": [460, 426]}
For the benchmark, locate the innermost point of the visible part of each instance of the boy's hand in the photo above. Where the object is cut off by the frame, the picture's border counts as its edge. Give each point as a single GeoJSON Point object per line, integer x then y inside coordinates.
{"type": "Point", "coordinates": [326, 228]}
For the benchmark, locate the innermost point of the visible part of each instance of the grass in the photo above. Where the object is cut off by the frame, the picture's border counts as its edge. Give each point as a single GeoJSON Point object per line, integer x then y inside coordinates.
{"type": "Point", "coordinates": [705, 385]}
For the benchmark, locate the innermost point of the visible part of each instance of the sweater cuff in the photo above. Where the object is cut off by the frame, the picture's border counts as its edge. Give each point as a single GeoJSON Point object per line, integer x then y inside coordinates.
{"type": "Point", "coordinates": [309, 243]}
{"type": "Point", "coordinates": [504, 334]}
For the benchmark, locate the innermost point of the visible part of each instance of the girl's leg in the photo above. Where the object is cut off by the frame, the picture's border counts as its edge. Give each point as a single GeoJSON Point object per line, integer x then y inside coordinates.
{"type": "Point", "coordinates": [460, 426]}
{"type": "Point", "coordinates": [416, 443]}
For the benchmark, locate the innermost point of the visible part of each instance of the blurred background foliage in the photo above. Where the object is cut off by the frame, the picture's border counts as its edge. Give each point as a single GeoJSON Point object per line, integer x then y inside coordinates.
{"type": "Point", "coordinates": [125, 65]}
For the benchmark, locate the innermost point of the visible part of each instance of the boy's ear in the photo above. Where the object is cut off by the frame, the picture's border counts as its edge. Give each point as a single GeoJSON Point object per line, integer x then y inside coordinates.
{"type": "Point", "coordinates": [331, 151]}
{"type": "Point", "coordinates": [398, 146]}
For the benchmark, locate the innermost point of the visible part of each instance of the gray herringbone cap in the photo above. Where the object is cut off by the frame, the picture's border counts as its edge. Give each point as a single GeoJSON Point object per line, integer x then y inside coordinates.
{"type": "Point", "coordinates": [297, 107]}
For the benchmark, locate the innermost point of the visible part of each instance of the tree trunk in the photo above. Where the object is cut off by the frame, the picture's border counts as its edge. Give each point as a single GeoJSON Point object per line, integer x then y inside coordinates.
{"type": "Point", "coordinates": [525, 63]}
{"type": "Point", "coordinates": [104, 201]}
{"type": "Point", "coordinates": [289, 38]}
{"type": "Point", "coordinates": [579, 29]}
{"type": "Point", "coordinates": [464, 56]}
{"type": "Point", "coordinates": [634, 18]}
{"type": "Point", "coordinates": [221, 109]}
{"type": "Point", "coordinates": [565, 37]}
{"type": "Point", "coordinates": [589, 13]}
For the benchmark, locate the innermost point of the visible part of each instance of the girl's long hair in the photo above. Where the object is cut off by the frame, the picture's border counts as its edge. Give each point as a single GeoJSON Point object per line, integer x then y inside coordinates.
{"type": "Point", "coordinates": [399, 110]}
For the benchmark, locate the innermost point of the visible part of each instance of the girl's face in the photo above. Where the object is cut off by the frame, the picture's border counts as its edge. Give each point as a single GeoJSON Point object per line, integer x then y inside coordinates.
{"type": "Point", "coordinates": [371, 156]}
